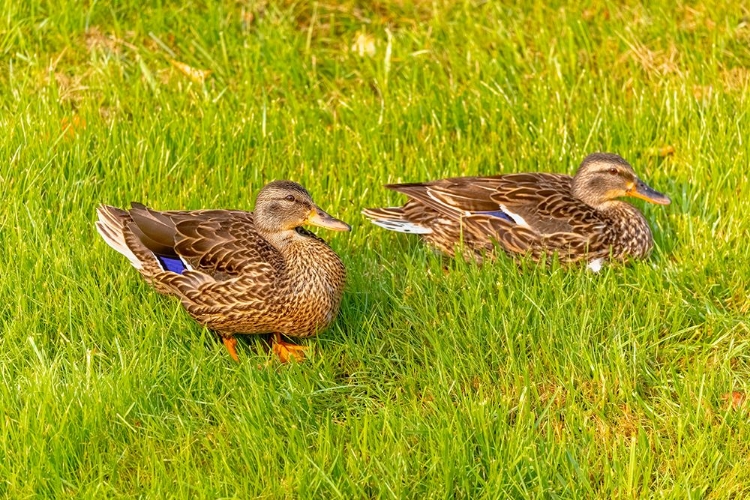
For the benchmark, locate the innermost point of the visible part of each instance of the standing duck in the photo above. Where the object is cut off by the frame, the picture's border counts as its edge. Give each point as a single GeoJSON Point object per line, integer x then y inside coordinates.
{"type": "Point", "coordinates": [536, 214]}
{"type": "Point", "coordinates": [239, 272]}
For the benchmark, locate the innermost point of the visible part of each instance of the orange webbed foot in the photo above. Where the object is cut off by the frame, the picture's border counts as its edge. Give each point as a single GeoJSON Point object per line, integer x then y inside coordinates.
{"type": "Point", "coordinates": [286, 350]}
{"type": "Point", "coordinates": [231, 344]}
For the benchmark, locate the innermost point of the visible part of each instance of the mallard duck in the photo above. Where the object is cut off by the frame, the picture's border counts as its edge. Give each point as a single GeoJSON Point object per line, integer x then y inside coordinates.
{"type": "Point", "coordinates": [239, 272]}
{"type": "Point", "coordinates": [535, 214]}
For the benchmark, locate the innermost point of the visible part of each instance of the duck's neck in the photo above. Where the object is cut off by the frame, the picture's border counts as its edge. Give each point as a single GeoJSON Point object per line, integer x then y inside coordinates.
{"type": "Point", "coordinates": [629, 226]}
{"type": "Point", "coordinates": [282, 240]}
{"type": "Point", "coordinates": [622, 210]}
{"type": "Point", "coordinates": [300, 250]}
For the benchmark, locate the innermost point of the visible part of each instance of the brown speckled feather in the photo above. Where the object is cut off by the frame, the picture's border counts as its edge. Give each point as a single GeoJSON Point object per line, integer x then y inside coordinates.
{"type": "Point", "coordinates": [237, 281]}
{"type": "Point", "coordinates": [534, 214]}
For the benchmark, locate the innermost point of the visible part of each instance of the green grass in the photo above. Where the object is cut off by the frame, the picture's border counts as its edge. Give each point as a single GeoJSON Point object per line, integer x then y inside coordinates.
{"type": "Point", "coordinates": [439, 379]}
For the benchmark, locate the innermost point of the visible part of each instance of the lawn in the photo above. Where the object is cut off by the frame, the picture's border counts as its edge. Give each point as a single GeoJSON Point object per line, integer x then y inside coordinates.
{"type": "Point", "coordinates": [440, 378]}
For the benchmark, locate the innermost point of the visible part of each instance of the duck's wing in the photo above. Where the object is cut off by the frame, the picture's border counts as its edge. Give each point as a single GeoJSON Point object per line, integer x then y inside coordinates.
{"type": "Point", "coordinates": [214, 260]}
{"type": "Point", "coordinates": [536, 214]}
{"type": "Point", "coordinates": [223, 243]}
{"type": "Point", "coordinates": [526, 213]}
{"type": "Point", "coordinates": [453, 195]}
{"type": "Point", "coordinates": [536, 202]}
{"type": "Point", "coordinates": [519, 239]}
{"type": "Point", "coordinates": [541, 202]}
{"type": "Point", "coordinates": [435, 208]}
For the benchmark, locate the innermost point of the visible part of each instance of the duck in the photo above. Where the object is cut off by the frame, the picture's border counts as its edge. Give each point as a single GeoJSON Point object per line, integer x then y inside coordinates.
{"type": "Point", "coordinates": [239, 272]}
{"type": "Point", "coordinates": [538, 215]}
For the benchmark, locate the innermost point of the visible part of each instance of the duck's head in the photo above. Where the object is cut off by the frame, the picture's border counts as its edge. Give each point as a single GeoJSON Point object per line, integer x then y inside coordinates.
{"type": "Point", "coordinates": [285, 205]}
{"type": "Point", "coordinates": [603, 177]}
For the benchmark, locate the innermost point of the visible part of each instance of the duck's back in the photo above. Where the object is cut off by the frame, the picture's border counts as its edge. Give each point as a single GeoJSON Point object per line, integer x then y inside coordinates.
{"type": "Point", "coordinates": [215, 261]}
{"type": "Point", "coordinates": [222, 244]}
{"type": "Point", "coordinates": [545, 203]}
{"type": "Point", "coordinates": [542, 202]}
{"type": "Point", "coordinates": [524, 213]}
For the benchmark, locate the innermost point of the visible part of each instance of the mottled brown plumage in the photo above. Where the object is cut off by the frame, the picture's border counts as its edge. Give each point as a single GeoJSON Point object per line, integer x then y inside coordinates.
{"type": "Point", "coordinates": [534, 214]}
{"type": "Point", "coordinates": [238, 272]}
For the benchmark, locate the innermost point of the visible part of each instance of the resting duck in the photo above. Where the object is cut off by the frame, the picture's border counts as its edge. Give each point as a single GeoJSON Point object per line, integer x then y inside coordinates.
{"type": "Point", "coordinates": [239, 272]}
{"type": "Point", "coordinates": [536, 214]}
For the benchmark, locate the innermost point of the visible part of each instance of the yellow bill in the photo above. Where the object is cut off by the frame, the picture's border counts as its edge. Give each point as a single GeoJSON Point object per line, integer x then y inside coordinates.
{"type": "Point", "coordinates": [319, 217]}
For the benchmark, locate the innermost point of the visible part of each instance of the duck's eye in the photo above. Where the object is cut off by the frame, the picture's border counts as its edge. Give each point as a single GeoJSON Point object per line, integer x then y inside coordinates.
{"type": "Point", "coordinates": [613, 171]}
{"type": "Point", "coordinates": [289, 197]}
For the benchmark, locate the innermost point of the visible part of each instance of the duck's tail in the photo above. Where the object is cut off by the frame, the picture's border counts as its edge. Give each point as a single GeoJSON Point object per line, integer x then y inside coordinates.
{"type": "Point", "coordinates": [394, 219]}
{"type": "Point", "coordinates": [112, 226]}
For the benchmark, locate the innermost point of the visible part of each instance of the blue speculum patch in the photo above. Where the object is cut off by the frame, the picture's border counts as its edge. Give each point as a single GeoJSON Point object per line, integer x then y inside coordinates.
{"type": "Point", "coordinates": [172, 264]}
{"type": "Point", "coordinates": [497, 213]}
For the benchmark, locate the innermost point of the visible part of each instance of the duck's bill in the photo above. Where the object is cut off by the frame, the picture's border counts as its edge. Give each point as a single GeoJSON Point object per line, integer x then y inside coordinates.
{"type": "Point", "coordinates": [645, 192]}
{"type": "Point", "coordinates": [319, 217]}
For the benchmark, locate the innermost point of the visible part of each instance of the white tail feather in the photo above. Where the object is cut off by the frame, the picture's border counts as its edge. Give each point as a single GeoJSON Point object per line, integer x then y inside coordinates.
{"type": "Point", "coordinates": [111, 232]}
{"type": "Point", "coordinates": [401, 226]}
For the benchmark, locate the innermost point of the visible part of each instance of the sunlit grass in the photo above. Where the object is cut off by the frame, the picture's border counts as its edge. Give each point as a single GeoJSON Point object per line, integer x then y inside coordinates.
{"type": "Point", "coordinates": [440, 378]}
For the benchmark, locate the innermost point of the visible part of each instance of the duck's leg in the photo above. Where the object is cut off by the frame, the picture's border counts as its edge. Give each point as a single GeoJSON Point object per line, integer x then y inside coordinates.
{"type": "Point", "coordinates": [231, 344]}
{"type": "Point", "coordinates": [286, 350]}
